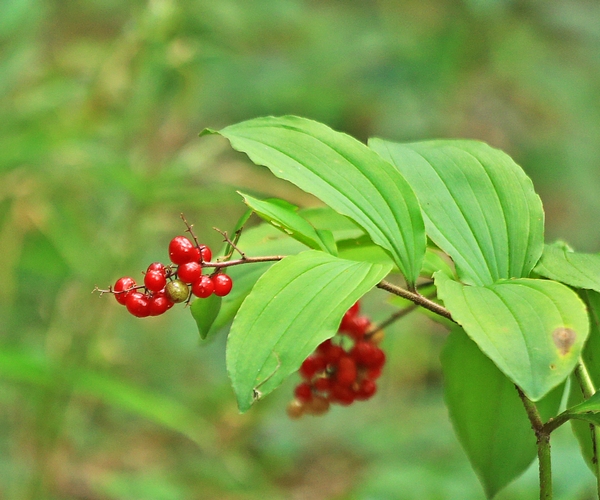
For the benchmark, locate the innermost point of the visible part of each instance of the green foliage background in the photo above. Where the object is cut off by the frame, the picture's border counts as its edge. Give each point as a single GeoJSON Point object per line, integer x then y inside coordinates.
{"type": "Point", "coordinates": [100, 106]}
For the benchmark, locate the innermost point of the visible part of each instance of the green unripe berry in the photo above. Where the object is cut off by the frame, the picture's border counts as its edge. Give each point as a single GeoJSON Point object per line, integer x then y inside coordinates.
{"type": "Point", "coordinates": [177, 291]}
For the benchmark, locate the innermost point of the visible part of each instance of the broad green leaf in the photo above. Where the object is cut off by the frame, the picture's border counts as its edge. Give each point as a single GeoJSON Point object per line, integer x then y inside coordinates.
{"type": "Point", "coordinates": [25, 367]}
{"type": "Point", "coordinates": [479, 206]}
{"type": "Point", "coordinates": [533, 330]}
{"type": "Point", "coordinates": [205, 312]}
{"type": "Point", "coordinates": [345, 174]}
{"type": "Point", "coordinates": [297, 304]}
{"type": "Point", "coordinates": [591, 358]}
{"type": "Point", "coordinates": [487, 413]}
{"type": "Point", "coordinates": [328, 219]}
{"type": "Point", "coordinates": [285, 218]}
{"type": "Point", "coordinates": [256, 241]}
{"type": "Point", "coordinates": [580, 270]}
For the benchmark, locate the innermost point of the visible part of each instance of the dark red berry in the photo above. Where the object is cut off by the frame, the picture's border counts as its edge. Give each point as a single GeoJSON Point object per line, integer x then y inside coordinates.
{"type": "Point", "coordinates": [349, 316]}
{"type": "Point", "coordinates": [222, 284]}
{"type": "Point", "coordinates": [177, 291]}
{"type": "Point", "coordinates": [138, 304]}
{"type": "Point", "coordinates": [357, 327]}
{"type": "Point", "coordinates": [303, 392]}
{"type": "Point", "coordinates": [159, 303]}
{"type": "Point", "coordinates": [362, 352]}
{"type": "Point", "coordinates": [342, 394]}
{"type": "Point", "coordinates": [311, 366]}
{"type": "Point", "coordinates": [366, 390]}
{"type": "Point", "coordinates": [155, 281]}
{"type": "Point", "coordinates": [181, 250]}
{"type": "Point", "coordinates": [333, 354]}
{"type": "Point", "coordinates": [203, 287]}
{"type": "Point", "coordinates": [124, 283]}
{"type": "Point", "coordinates": [322, 384]}
{"type": "Point", "coordinates": [346, 371]}
{"type": "Point", "coordinates": [189, 272]}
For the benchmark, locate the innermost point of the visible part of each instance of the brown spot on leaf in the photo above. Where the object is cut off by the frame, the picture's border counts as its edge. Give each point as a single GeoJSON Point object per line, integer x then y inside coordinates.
{"type": "Point", "coordinates": [564, 338]}
{"type": "Point", "coordinates": [552, 366]}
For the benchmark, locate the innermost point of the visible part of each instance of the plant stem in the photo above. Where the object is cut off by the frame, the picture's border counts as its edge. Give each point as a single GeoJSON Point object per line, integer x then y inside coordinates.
{"type": "Point", "coordinates": [588, 390]}
{"type": "Point", "coordinates": [415, 297]}
{"type": "Point", "coordinates": [543, 446]}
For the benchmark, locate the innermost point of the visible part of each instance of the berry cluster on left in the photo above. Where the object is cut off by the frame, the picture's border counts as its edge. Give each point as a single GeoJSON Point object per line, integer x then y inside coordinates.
{"type": "Point", "coordinates": [165, 285]}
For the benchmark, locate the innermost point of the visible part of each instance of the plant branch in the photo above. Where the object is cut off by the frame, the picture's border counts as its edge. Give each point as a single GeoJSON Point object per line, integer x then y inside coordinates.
{"type": "Point", "coordinates": [415, 297]}
{"type": "Point", "coordinates": [543, 445]}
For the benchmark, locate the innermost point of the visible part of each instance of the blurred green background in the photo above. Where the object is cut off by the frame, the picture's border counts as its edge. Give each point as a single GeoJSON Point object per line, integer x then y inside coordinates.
{"type": "Point", "coordinates": [101, 102]}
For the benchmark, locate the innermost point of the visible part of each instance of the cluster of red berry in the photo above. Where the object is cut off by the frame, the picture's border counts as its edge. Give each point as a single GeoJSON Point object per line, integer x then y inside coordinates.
{"type": "Point", "coordinates": [341, 370]}
{"type": "Point", "coordinates": [165, 285]}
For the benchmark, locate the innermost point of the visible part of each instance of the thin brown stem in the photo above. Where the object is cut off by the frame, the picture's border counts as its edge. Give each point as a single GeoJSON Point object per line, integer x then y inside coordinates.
{"type": "Point", "coordinates": [393, 318]}
{"type": "Point", "coordinates": [231, 243]}
{"type": "Point", "coordinates": [543, 445]}
{"type": "Point", "coordinates": [415, 297]}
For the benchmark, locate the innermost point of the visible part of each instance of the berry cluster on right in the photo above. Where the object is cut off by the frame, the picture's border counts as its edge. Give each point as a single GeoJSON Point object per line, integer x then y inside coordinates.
{"type": "Point", "coordinates": [342, 370]}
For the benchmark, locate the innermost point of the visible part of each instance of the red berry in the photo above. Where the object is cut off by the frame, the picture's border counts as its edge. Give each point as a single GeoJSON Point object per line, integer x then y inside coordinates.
{"type": "Point", "coordinates": [189, 272]}
{"type": "Point", "coordinates": [124, 283]}
{"type": "Point", "coordinates": [138, 304]}
{"type": "Point", "coordinates": [322, 384]}
{"type": "Point", "coordinates": [374, 373]}
{"type": "Point", "coordinates": [206, 253]}
{"type": "Point", "coordinates": [342, 394]}
{"type": "Point", "coordinates": [348, 316]}
{"type": "Point", "coordinates": [366, 390]}
{"type": "Point", "coordinates": [159, 303]}
{"type": "Point", "coordinates": [303, 392]}
{"type": "Point", "coordinates": [333, 354]}
{"type": "Point", "coordinates": [222, 284]}
{"type": "Point", "coordinates": [181, 250]}
{"type": "Point", "coordinates": [346, 371]}
{"type": "Point", "coordinates": [357, 327]}
{"type": "Point", "coordinates": [203, 287]}
{"type": "Point", "coordinates": [156, 266]}
{"type": "Point", "coordinates": [155, 281]}
{"type": "Point", "coordinates": [368, 355]}
{"type": "Point", "coordinates": [311, 366]}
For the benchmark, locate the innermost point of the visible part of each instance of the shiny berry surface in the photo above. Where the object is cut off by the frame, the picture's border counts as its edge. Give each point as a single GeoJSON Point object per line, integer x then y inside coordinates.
{"type": "Point", "coordinates": [203, 287]}
{"type": "Point", "coordinates": [155, 281]}
{"type": "Point", "coordinates": [123, 283]}
{"type": "Point", "coordinates": [138, 304]}
{"type": "Point", "coordinates": [181, 250]}
{"type": "Point", "coordinates": [189, 272]}
{"type": "Point", "coordinates": [222, 283]}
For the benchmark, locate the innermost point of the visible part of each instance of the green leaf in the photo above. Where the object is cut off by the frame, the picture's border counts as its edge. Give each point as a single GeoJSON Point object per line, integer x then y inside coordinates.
{"type": "Point", "coordinates": [487, 413]}
{"type": "Point", "coordinates": [205, 312]}
{"type": "Point", "coordinates": [260, 240]}
{"type": "Point", "coordinates": [479, 206]}
{"type": "Point", "coordinates": [580, 270]}
{"type": "Point", "coordinates": [284, 217]}
{"type": "Point", "coordinates": [345, 174]}
{"type": "Point", "coordinates": [297, 304]}
{"type": "Point", "coordinates": [533, 330]}
{"type": "Point", "coordinates": [434, 262]}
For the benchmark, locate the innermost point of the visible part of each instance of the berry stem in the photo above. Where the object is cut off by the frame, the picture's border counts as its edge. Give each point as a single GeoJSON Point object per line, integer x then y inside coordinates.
{"type": "Point", "coordinates": [393, 318]}
{"type": "Point", "coordinates": [190, 229]}
{"type": "Point", "coordinates": [231, 243]}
